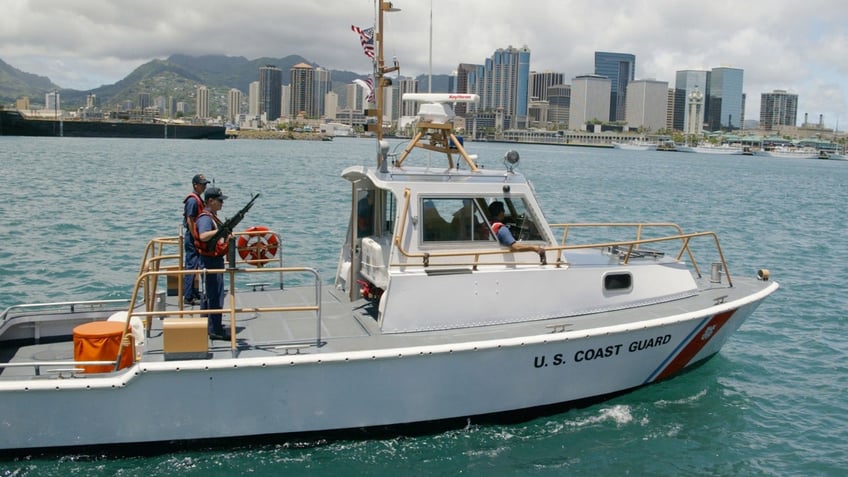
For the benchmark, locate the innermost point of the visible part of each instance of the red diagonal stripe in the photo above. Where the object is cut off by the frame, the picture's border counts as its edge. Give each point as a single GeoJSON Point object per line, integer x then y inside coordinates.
{"type": "Point", "coordinates": [698, 342]}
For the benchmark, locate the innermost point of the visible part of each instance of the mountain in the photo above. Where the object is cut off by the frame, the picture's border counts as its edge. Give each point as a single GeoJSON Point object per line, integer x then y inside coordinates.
{"type": "Point", "coordinates": [176, 77]}
{"type": "Point", "coordinates": [15, 83]}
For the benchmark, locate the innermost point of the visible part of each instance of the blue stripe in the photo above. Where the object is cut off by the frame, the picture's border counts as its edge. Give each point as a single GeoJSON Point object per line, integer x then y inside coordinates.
{"type": "Point", "coordinates": [677, 349]}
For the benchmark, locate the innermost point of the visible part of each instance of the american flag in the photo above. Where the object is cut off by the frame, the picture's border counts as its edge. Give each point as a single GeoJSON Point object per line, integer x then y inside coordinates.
{"type": "Point", "coordinates": [366, 38]}
{"type": "Point", "coordinates": [368, 86]}
{"type": "Point", "coordinates": [370, 82]}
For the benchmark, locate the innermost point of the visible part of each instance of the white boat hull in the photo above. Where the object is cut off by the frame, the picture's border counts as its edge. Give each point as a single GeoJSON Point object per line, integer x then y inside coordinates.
{"type": "Point", "coordinates": [196, 400]}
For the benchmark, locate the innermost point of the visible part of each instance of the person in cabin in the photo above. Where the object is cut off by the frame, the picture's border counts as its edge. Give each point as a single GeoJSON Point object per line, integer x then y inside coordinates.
{"type": "Point", "coordinates": [192, 207]}
{"type": "Point", "coordinates": [504, 235]}
{"type": "Point", "coordinates": [212, 258]}
{"type": "Point", "coordinates": [365, 215]}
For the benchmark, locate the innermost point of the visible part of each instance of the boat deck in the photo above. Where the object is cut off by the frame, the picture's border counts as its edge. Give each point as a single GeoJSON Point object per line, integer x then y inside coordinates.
{"type": "Point", "coordinates": [344, 327]}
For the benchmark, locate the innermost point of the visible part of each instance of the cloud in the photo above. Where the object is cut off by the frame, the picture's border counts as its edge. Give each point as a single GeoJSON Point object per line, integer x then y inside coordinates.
{"type": "Point", "coordinates": [787, 45]}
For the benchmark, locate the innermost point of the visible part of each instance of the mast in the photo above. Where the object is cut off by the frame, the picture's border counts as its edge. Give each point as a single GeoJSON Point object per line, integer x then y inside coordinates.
{"type": "Point", "coordinates": [380, 70]}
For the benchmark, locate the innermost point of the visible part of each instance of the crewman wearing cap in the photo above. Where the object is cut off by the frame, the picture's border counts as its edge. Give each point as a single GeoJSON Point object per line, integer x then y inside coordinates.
{"type": "Point", "coordinates": [212, 258]}
{"type": "Point", "coordinates": [192, 208]}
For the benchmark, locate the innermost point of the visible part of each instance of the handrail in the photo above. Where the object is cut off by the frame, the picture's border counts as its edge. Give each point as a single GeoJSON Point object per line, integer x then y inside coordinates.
{"type": "Point", "coordinates": [72, 304]}
{"type": "Point", "coordinates": [149, 313]}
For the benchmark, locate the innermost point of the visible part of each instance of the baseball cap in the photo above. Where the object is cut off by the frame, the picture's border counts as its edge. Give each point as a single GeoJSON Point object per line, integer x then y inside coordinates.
{"type": "Point", "coordinates": [199, 179]}
{"type": "Point", "coordinates": [214, 193]}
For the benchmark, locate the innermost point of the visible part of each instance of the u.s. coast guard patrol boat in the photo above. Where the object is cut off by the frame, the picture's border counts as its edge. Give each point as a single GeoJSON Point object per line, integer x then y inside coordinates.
{"type": "Point", "coordinates": [429, 318]}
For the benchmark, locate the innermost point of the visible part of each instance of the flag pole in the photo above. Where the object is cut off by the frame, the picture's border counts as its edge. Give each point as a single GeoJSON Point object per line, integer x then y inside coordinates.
{"type": "Point", "coordinates": [380, 71]}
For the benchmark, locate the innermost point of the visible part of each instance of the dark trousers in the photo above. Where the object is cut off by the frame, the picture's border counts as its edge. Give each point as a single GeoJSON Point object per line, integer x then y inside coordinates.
{"type": "Point", "coordinates": [214, 299]}
{"type": "Point", "coordinates": [192, 262]}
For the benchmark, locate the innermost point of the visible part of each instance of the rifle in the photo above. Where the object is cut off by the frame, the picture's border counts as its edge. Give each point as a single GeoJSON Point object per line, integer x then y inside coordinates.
{"type": "Point", "coordinates": [225, 229]}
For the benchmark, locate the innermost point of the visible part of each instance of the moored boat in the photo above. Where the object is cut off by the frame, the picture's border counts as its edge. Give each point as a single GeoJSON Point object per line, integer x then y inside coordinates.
{"type": "Point", "coordinates": [428, 319]}
{"type": "Point", "coordinates": [635, 145]}
{"type": "Point", "coordinates": [789, 153]}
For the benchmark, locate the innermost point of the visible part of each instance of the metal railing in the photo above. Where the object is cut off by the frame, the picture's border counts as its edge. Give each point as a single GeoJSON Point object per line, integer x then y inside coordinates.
{"type": "Point", "coordinates": [631, 246]}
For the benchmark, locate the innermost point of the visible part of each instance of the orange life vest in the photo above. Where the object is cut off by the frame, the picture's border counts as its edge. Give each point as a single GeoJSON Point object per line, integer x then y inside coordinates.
{"type": "Point", "coordinates": [219, 249]}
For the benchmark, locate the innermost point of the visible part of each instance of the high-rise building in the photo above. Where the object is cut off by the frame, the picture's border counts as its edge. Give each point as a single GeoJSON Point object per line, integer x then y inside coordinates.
{"type": "Point", "coordinates": [354, 97]}
{"type": "Point", "coordinates": [233, 105]}
{"type": "Point", "coordinates": [620, 68]}
{"type": "Point", "coordinates": [540, 82]}
{"type": "Point", "coordinates": [559, 105]}
{"type": "Point", "coordinates": [270, 80]}
{"type": "Point", "coordinates": [253, 99]}
{"type": "Point", "coordinates": [725, 98]}
{"type": "Point", "coordinates": [406, 108]}
{"type": "Point", "coordinates": [686, 81]}
{"type": "Point", "coordinates": [778, 108]}
{"type": "Point", "coordinates": [202, 107]}
{"type": "Point", "coordinates": [286, 99]}
{"type": "Point", "coordinates": [143, 101]}
{"type": "Point", "coordinates": [590, 100]}
{"type": "Point", "coordinates": [302, 90]}
{"type": "Point", "coordinates": [647, 105]}
{"type": "Point", "coordinates": [52, 101]}
{"type": "Point", "coordinates": [323, 85]}
{"type": "Point", "coordinates": [331, 105]}
{"type": "Point", "coordinates": [505, 87]}
{"type": "Point", "coordinates": [468, 81]}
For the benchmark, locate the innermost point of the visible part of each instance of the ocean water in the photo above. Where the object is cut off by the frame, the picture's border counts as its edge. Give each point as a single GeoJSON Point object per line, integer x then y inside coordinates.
{"type": "Point", "coordinates": [76, 214]}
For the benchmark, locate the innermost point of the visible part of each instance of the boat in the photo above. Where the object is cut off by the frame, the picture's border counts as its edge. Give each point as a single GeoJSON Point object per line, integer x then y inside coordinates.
{"type": "Point", "coordinates": [667, 146]}
{"type": "Point", "coordinates": [724, 149]}
{"type": "Point", "coordinates": [427, 321]}
{"type": "Point", "coordinates": [788, 152]}
{"type": "Point", "coordinates": [635, 145]}
{"type": "Point", "coordinates": [13, 123]}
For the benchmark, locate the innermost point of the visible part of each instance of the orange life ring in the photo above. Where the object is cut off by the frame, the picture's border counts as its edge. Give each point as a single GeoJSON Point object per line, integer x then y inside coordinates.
{"type": "Point", "coordinates": [257, 247]}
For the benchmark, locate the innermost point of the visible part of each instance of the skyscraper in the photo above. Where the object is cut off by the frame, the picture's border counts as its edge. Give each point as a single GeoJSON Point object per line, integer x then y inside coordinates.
{"type": "Point", "coordinates": [270, 80]}
{"type": "Point", "coordinates": [725, 99]}
{"type": "Point", "coordinates": [302, 90]}
{"type": "Point", "coordinates": [590, 100]}
{"type": "Point", "coordinates": [323, 85]}
{"type": "Point", "coordinates": [406, 108]}
{"type": "Point", "coordinates": [202, 108]}
{"type": "Point", "coordinates": [540, 82]}
{"type": "Point", "coordinates": [620, 68]}
{"type": "Point", "coordinates": [233, 105]}
{"type": "Point", "coordinates": [253, 99]}
{"type": "Point", "coordinates": [685, 83]}
{"type": "Point", "coordinates": [468, 81]}
{"type": "Point", "coordinates": [506, 84]}
{"type": "Point", "coordinates": [778, 108]}
{"type": "Point", "coordinates": [647, 105]}
{"type": "Point", "coordinates": [559, 105]}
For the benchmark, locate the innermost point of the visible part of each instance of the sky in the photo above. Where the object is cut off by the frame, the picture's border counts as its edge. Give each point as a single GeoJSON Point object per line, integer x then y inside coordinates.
{"type": "Point", "coordinates": [797, 46]}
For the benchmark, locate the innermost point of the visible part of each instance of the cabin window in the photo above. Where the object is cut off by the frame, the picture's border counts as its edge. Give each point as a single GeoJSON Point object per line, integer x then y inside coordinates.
{"type": "Point", "coordinates": [467, 219]}
{"type": "Point", "coordinates": [618, 281]}
{"type": "Point", "coordinates": [375, 212]}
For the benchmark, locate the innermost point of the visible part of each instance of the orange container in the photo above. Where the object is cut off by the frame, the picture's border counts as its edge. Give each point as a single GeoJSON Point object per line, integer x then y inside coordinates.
{"type": "Point", "coordinates": [101, 341]}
